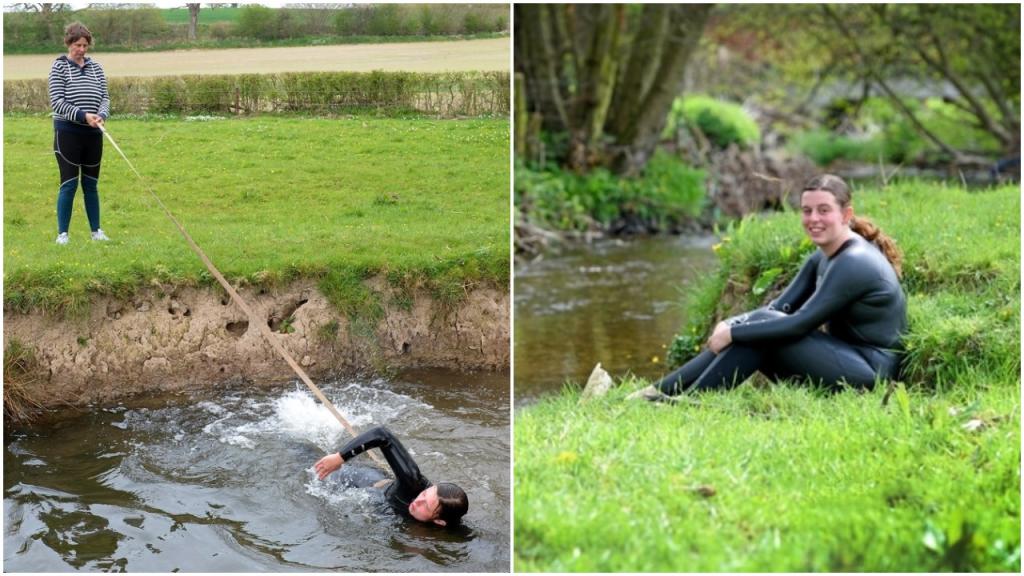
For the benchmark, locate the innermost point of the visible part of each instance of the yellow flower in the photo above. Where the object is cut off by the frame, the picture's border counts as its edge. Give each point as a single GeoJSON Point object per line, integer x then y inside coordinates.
{"type": "Point", "coordinates": [566, 457]}
{"type": "Point", "coordinates": [654, 360]}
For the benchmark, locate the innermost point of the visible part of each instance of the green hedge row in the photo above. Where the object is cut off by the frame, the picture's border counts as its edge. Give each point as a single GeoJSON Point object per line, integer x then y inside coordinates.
{"type": "Point", "coordinates": [447, 94]}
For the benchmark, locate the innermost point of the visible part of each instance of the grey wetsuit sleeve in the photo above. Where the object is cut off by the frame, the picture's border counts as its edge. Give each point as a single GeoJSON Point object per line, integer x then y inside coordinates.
{"type": "Point", "coordinates": [838, 288]}
{"type": "Point", "coordinates": [407, 473]}
{"type": "Point", "coordinates": [801, 288]}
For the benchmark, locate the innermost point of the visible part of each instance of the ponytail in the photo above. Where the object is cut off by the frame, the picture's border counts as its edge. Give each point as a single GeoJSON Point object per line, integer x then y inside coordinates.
{"type": "Point", "coordinates": [887, 245]}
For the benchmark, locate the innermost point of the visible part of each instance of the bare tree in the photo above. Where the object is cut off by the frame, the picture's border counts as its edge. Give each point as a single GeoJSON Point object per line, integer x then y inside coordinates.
{"type": "Point", "coordinates": [43, 8]}
{"type": "Point", "coordinates": [193, 20]}
{"type": "Point", "coordinates": [606, 75]}
{"type": "Point", "coordinates": [973, 48]}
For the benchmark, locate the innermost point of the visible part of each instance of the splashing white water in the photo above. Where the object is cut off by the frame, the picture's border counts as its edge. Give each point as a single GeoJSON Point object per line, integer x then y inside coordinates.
{"type": "Point", "coordinates": [298, 415]}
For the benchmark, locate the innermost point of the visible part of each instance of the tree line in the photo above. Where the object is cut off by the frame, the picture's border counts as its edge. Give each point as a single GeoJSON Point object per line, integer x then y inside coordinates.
{"type": "Point", "coordinates": [39, 27]}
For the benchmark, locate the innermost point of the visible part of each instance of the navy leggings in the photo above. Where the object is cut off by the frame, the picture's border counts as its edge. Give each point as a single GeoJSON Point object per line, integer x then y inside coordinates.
{"type": "Point", "coordinates": [817, 357]}
{"type": "Point", "coordinates": [78, 153]}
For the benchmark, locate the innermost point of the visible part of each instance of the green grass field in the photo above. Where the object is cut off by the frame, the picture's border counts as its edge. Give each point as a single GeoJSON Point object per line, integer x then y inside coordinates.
{"type": "Point", "coordinates": [207, 15]}
{"type": "Point", "coordinates": [270, 199]}
{"type": "Point", "coordinates": [786, 478]}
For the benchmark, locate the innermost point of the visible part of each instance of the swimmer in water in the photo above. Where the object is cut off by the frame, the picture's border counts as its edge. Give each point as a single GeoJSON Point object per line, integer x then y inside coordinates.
{"type": "Point", "coordinates": [410, 493]}
{"type": "Point", "coordinates": [850, 285]}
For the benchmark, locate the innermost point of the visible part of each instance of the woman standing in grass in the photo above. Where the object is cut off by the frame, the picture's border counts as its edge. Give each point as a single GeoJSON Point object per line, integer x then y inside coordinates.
{"type": "Point", "coordinates": [81, 104]}
{"type": "Point", "coordinates": [850, 285]}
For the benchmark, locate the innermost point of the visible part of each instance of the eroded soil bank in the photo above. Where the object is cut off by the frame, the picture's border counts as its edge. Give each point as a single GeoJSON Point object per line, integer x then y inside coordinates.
{"type": "Point", "coordinates": [167, 339]}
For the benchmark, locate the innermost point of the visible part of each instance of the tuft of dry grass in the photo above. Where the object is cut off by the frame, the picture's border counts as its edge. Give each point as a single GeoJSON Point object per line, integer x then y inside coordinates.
{"type": "Point", "coordinates": [21, 402]}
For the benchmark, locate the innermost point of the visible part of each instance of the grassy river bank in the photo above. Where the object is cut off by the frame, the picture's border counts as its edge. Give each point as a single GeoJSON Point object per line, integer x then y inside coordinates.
{"type": "Point", "coordinates": [271, 200]}
{"type": "Point", "coordinates": [924, 476]}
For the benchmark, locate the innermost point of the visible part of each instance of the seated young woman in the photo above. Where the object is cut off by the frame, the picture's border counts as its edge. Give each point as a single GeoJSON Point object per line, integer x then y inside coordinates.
{"type": "Point", "coordinates": [850, 285]}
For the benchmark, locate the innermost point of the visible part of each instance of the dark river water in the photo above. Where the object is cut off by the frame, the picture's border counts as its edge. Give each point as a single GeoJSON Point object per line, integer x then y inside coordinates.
{"type": "Point", "coordinates": [616, 302]}
{"type": "Point", "coordinates": [222, 481]}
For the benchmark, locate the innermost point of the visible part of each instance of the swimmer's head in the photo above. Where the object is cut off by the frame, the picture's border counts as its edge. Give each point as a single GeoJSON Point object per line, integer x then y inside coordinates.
{"type": "Point", "coordinates": [838, 189]}
{"type": "Point", "coordinates": [443, 504]}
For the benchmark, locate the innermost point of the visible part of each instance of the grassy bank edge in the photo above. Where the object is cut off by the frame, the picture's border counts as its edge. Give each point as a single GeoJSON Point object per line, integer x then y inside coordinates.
{"type": "Point", "coordinates": [347, 288]}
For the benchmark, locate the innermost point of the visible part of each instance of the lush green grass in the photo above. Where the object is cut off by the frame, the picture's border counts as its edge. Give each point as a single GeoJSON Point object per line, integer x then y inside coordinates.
{"type": "Point", "coordinates": [269, 199]}
{"type": "Point", "coordinates": [786, 478]}
{"type": "Point", "coordinates": [800, 482]}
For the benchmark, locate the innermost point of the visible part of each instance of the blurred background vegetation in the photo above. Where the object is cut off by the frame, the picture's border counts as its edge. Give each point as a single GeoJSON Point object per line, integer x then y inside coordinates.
{"type": "Point", "coordinates": [31, 28]}
{"type": "Point", "coordinates": [757, 98]}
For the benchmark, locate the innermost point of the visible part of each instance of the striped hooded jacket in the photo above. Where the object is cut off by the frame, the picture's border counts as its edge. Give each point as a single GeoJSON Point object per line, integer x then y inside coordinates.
{"type": "Point", "coordinates": [75, 90]}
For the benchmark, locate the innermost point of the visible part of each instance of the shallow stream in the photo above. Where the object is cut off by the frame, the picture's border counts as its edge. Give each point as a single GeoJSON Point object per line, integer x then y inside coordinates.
{"type": "Point", "coordinates": [616, 302]}
{"type": "Point", "coordinates": [222, 481]}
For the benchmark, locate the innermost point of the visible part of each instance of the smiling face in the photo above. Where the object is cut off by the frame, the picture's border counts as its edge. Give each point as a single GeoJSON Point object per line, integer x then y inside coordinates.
{"type": "Point", "coordinates": [426, 507]}
{"type": "Point", "coordinates": [826, 223]}
{"type": "Point", "coordinates": [77, 49]}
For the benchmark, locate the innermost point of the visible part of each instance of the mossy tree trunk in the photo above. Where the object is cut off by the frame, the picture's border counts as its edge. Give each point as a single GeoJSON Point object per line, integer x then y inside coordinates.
{"type": "Point", "coordinates": [606, 75]}
{"type": "Point", "coordinates": [521, 117]}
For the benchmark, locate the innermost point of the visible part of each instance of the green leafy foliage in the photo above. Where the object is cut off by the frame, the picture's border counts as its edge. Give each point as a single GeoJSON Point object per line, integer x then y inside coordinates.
{"type": "Point", "coordinates": [723, 123]}
{"type": "Point", "coordinates": [255, 21]}
{"type": "Point", "coordinates": [669, 192]}
{"type": "Point", "coordinates": [883, 133]}
{"type": "Point", "coordinates": [825, 147]}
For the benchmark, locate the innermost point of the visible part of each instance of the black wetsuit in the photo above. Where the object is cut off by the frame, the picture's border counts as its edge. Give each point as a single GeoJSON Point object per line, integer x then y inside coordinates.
{"type": "Point", "coordinates": [408, 482]}
{"type": "Point", "coordinates": [855, 294]}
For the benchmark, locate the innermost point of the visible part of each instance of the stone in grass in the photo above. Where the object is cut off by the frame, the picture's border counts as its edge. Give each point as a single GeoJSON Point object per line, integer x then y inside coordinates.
{"type": "Point", "coordinates": [598, 384]}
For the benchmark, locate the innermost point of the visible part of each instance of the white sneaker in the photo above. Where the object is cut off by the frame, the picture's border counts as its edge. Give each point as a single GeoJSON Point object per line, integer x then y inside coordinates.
{"type": "Point", "coordinates": [99, 235]}
{"type": "Point", "coordinates": [62, 238]}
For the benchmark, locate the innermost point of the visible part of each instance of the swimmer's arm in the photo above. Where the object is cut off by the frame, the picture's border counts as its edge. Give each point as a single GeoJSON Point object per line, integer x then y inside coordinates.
{"type": "Point", "coordinates": [379, 437]}
{"type": "Point", "coordinates": [382, 483]}
{"type": "Point", "coordinates": [402, 465]}
{"type": "Point", "coordinates": [374, 438]}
